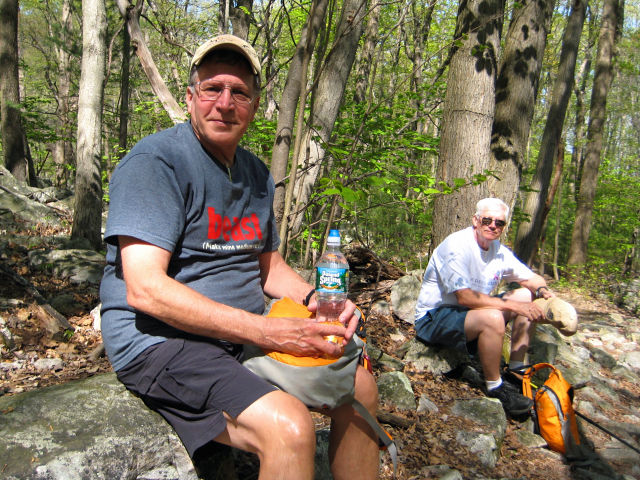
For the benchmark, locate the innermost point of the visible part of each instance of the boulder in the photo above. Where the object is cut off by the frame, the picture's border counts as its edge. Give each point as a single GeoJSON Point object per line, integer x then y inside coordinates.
{"type": "Point", "coordinates": [404, 295]}
{"type": "Point", "coordinates": [94, 428]}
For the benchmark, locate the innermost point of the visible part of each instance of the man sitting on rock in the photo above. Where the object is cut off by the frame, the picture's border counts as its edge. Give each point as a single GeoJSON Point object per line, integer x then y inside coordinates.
{"type": "Point", "coordinates": [192, 249]}
{"type": "Point", "coordinates": [455, 307]}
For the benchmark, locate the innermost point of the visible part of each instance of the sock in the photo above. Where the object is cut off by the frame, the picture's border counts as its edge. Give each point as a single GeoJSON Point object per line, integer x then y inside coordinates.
{"type": "Point", "coordinates": [515, 365]}
{"type": "Point", "coordinates": [491, 384]}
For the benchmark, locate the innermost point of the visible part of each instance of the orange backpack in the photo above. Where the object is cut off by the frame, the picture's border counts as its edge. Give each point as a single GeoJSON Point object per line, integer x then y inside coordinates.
{"type": "Point", "coordinates": [553, 409]}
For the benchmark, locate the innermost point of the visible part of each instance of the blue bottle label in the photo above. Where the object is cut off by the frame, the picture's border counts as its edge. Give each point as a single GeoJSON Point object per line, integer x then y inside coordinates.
{"type": "Point", "coordinates": [333, 280]}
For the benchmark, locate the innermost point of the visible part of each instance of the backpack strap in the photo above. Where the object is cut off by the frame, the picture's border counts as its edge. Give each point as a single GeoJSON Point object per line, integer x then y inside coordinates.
{"type": "Point", "coordinates": [385, 441]}
{"type": "Point", "coordinates": [526, 378]}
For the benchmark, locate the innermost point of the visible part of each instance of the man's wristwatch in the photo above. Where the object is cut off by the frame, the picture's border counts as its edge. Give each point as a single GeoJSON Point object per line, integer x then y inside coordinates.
{"type": "Point", "coordinates": [307, 299]}
{"type": "Point", "coordinates": [540, 288]}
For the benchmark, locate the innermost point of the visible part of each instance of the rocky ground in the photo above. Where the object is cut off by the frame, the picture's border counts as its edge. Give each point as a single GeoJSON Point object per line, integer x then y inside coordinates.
{"type": "Point", "coordinates": [424, 439]}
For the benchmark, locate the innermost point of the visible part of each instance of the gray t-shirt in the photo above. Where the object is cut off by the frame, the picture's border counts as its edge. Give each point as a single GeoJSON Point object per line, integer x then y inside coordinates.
{"type": "Point", "coordinates": [168, 191]}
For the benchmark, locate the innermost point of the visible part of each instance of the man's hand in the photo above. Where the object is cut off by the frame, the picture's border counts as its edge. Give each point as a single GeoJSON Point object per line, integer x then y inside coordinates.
{"type": "Point", "coordinates": [302, 336]}
{"type": "Point", "coordinates": [530, 310]}
{"type": "Point", "coordinates": [347, 317]}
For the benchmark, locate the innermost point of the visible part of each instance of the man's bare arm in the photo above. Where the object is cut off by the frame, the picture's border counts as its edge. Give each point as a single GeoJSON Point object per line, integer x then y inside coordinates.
{"type": "Point", "coordinates": [152, 291]}
{"type": "Point", "coordinates": [476, 300]}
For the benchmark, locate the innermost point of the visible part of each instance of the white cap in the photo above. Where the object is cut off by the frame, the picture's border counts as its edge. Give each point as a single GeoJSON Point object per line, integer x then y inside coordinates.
{"type": "Point", "coordinates": [227, 42]}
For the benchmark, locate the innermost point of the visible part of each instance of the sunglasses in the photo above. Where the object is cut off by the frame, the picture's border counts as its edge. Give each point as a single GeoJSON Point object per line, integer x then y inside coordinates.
{"type": "Point", "coordinates": [486, 221]}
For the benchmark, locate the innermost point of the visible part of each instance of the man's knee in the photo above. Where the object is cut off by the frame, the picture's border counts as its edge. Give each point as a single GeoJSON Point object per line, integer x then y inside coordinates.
{"type": "Point", "coordinates": [488, 320]}
{"type": "Point", "coordinates": [280, 419]}
{"type": "Point", "coordinates": [519, 295]}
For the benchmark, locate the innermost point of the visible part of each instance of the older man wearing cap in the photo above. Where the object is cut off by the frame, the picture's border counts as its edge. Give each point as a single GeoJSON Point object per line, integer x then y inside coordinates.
{"type": "Point", "coordinates": [191, 248]}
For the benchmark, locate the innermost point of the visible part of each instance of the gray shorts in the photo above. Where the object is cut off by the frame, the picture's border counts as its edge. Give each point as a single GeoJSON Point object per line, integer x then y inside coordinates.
{"type": "Point", "coordinates": [190, 383]}
{"type": "Point", "coordinates": [445, 326]}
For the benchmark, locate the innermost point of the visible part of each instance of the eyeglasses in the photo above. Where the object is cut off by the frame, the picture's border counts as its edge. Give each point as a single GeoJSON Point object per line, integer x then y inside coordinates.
{"type": "Point", "coordinates": [211, 91]}
{"type": "Point", "coordinates": [486, 221]}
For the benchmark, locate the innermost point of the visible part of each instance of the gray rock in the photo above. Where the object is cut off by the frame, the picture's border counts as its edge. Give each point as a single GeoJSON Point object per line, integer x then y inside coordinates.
{"type": "Point", "coordinates": [49, 364]}
{"type": "Point", "coordinates": [395, 388]}
{"type": "Point", "coordinates": [542, 352]}
{"type": "Point", "coordinates": [441, 472]}
{"type": "Point", "coordinates": [603, 358]}
{"type": "Point", "coordinates": [482, 445]}
{"type": "Point", "coordinates": [91, 428]}
{"type": "Point", "coordinates": [379, 358]}
{"type": "Point", "coordinates": [426, 405]}
{"type": "Point", "coordinates": [81, 266]}
{"type": "Point", "coordinates": [530, 439]}
{"type": "Point", "coordinates": [381, 307]}
{"type": "Point", "coordinates": [404, 295]}
{"type": "Point", "coordinates": [66, 304]}
{"type": "Point", "coordinates": [487, 412]}
{"type": "Point", "coordinates": [96, 429]}
{"type": "Point", "coordinates": [632, 359]}
{"type": "Point", "coordinates": [434, 359]}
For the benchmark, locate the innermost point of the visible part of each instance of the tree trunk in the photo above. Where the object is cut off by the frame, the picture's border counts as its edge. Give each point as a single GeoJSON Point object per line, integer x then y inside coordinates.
{"type": "Point", "coordinates": [288, 104]}
{"type": "Point", "coordinates": [516, 92]}
{"type": "Point", "coordinates": [131, 14]}
{"type": "Point", "coordinates": [63, 148]}
{"type": "Point", "coordinates": [87, 217]}
{"type": "Point", "coordinates": [610, 28]}
{"type": "Point", "coordinates": [124, 94]}
{"type": "Point", "coordinates": [467, 116]}
{"type": "Point", "coordinates": [13, 146]}
{"type": "Point", "coordinates": [577, 158]}
{"type": "Point", "coordinates": [328, 97]}
{"type": "Point", "coordinates": [366, 56]}
{"type": "Point", "coordinates": [529, 231]}
{"type": "Point", "coordinates": [240, 15]}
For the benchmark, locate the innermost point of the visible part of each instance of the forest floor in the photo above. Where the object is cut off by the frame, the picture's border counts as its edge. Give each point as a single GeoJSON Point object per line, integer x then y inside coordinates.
{"type": "Point", "coordinates": [423, 439]}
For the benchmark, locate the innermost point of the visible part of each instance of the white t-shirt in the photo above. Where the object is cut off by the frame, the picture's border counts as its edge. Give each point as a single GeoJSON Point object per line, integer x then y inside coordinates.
{"type": "Point", "coordinates": [459, 262]}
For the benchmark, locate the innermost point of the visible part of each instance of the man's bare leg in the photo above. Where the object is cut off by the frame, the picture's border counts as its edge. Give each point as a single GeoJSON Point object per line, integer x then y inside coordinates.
{"type": "Point", "coordinates": [522, 329]}
{"type": "Point", "coordinates": [353, 446]}
{"type": "Point", "coordinates": [279, 429]}
{"type": "Point", "coordinates": [487, 326]}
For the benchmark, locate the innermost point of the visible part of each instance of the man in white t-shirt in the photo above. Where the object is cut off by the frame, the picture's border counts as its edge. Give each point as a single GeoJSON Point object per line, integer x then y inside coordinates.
{"type": "Point", "coordinates": [456, 309]}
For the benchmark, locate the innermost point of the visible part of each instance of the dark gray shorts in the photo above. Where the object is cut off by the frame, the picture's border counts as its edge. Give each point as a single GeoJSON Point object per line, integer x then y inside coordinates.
{"type": "Point", "coordinates": [190, 383]}
{"type": "Point", "coordinates": [445, 326]}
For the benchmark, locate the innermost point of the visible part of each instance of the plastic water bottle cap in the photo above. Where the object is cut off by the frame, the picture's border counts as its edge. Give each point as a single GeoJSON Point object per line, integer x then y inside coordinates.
{"type": "Point", "coordinates": [334, 237]}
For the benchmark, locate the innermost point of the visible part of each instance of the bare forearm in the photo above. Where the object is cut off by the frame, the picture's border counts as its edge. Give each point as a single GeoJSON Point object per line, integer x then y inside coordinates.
{"type": "Point", "coordinates": [187, 310]}
{"type": "Point", "coordinates": [280, 280]}
{"type": "Point", "coordinates": [475, 300]}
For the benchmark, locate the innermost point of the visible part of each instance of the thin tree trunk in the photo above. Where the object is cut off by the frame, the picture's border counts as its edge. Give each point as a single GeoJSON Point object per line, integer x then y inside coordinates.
{"type": "Point", "coordinates": [555, 183]}
{"type": "Point", "coordinates": [577, 158]}
{"type": "Point", "coordinates": [131, 14]}
{"type": "Point", "coordinates": [468, 113]}
{"type": "Point", "coordinates": [87, 217]}
{"type": "Point", "coordinates": [529, 231]}
{"type": "Point", "coordinates": [13, 144]}
{"type": "Point", "coordinates": [366, 57]}
{"type": "Point", "coordinates": [516, 92]}
{"type": "Point", "coordinates": [240, 16]}
{"type": "Point", "coordinates": [124, 94]}
{"type": "Point", "coordinates": [288, 104]}
{"type": "Point", "coordinates": [63, 149]}
{"type": "Point", "coordinates": [331, 85]}
{"type": "Point", "coordinates": [612, 17]}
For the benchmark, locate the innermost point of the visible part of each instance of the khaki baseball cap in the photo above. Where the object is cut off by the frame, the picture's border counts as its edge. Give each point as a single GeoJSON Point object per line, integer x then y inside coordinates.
{"type": "Point", "coordinates": [227, 42]}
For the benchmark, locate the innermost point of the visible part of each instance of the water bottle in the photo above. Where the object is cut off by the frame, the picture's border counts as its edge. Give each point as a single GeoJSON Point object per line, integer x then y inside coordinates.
{"type": "Point", "coordinates": [332, 283]}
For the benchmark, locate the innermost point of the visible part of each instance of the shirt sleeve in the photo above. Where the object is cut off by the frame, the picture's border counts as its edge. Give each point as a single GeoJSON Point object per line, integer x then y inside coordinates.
{"type": "Point", "coordinates": [515, 270]}
{"type": "Point", "coordinates": [452, 268]}
{"type": "Point", "coordinates": [145, 202]}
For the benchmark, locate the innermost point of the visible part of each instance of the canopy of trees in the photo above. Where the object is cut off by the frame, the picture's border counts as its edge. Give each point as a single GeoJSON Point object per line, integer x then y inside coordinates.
{"type": "Point", "coordinates": [386, 120]}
